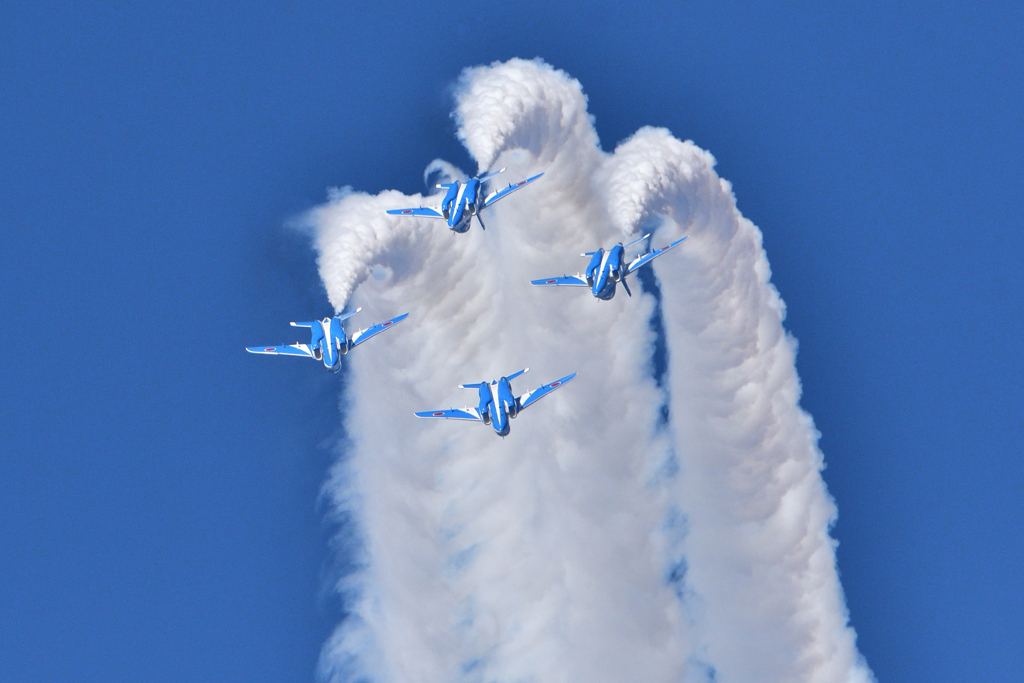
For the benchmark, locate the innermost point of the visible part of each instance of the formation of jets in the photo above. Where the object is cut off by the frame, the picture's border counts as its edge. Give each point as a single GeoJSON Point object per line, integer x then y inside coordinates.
{"type": "Point", "coordinates": [496, 404]}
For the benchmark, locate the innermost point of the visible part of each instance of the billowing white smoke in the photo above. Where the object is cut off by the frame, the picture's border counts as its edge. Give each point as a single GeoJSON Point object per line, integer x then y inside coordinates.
{"type": "Point", "coordinates": [598, 542]}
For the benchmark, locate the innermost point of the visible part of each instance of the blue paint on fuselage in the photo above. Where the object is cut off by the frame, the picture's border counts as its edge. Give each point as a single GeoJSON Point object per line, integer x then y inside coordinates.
{"type": "Point", "coordinates": [485, 407]}
{"type": "Point", "coordinates": [471, 195]}
{"type": "Point", "coordinates": [493, 414]}
{"type": "Point", "coordinates": [449, 200]}
{"type": "Point", "coordinates": [498, 413]}
{"type": "Point", "coordinates": [459, 211]}
{"type": "Point", "coordinates": [603, 278]}
{"type": "Point", "coordinates": [329, 347]}
{"type": "Point", "coordinates": [595, 266]}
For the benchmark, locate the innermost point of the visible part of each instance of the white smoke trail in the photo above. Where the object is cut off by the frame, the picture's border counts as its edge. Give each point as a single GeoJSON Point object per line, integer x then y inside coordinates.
{"type": "Point", "coordinates": [758, 548]}
{"type": "Point", "coordinates": [557, 554]}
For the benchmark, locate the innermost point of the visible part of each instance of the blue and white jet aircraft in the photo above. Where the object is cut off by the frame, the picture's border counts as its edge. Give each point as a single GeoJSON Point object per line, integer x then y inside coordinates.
{"type": "Point", "coordinates": [497, 402]}
{"type": "Point", "coordinates": [462, 201]}
{"type": "Point", "coordinates": [329, 341]}
{"type": "Point", "coordinates": [607, 268]}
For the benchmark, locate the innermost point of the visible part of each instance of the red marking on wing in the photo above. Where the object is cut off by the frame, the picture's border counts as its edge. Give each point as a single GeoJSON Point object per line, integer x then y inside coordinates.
{"type": "Point", "coordinates": [390, 322]}
{"type": "Point", "coordinates": [407, 211]}
{"type": "Point", "coordinates": [520, 183]}
{"type": "Point", "coordinates": [270, 348]}
{"type": "Point", "coordinates": [551, 282]}
{"type": "Point", "coordinates": [439, 414]}
{"type": "Point", "coordinates": [555, 384]}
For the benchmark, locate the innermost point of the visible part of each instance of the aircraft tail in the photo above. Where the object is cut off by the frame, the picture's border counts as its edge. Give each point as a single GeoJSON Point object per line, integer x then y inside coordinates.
{"type": "Point", "coordinates": [315, 322]}
{"type": "Point", "coordinates": [473, 386]}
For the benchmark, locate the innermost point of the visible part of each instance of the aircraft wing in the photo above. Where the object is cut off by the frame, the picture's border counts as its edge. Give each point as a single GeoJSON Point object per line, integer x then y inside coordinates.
{"type": "Point", "coordinates": [531, 397]}
{"type": "Point", "coordinates": [421, 211]}
{"type": "Point", "coordinates": [501, 194]}
{"type": "Point", "coordinates": [570, 280]}
{"type": "Point", "coordinates": [452, 414]}
{"type": "Point", "coordinates": [644, 259]}
{"type": "Point", "coordinates": [362, 335]}
{"type": "Point", "coordinates": [295, 349]}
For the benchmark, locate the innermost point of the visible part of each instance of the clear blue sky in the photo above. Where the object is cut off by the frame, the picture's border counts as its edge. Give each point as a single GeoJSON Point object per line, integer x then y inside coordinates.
{"type": "Point", "coordinates": [159, 517]}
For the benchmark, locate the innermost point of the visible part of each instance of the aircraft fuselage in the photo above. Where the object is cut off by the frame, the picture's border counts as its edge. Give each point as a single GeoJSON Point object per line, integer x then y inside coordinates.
{"type": "Point", "coordinates": [460, 204]}
{"type": "Point", "coordinates": [329, 343]}
{"type": "Point", "coordinates": [497, 405]}
{"type": "Point", "coordinates": [606, 269]}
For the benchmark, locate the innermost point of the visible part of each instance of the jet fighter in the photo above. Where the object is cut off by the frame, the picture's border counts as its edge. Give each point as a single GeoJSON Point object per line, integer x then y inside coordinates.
{"type": "Point", "coordinates": [462, 201]}
{"type": "Point", "coordinates": [497, 402]}
{"type": "Point", "coordinates": [608, 268]}
{"type": "Point", "coordinates": [329, 341]}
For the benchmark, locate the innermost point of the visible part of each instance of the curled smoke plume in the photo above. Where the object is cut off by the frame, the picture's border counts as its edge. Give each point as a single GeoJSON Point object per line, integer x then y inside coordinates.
{"type": "Point", "coordinates": [649, 523]}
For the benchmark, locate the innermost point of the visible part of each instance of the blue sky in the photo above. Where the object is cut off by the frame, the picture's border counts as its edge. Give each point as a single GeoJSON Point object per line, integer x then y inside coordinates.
{"type": "Point", "coordinates": [159, 511]}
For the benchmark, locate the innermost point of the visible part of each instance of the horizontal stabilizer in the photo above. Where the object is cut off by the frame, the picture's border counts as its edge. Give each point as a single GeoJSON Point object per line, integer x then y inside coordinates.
{"type": "Point", "coordinates": [361, 336]}
{"type": "Point", "coordinates": [643, 260]}
{"type": "Point", "coordinates": [566, 280]}
{"type": "Point", "coordinates": [529, 398]}
{"type": "Point", "coordinates": [637, 241]}
{"type": "Point", "coordinates": [516, 374]}
{"type": "Point", "coordinates": [488, 176]}
{"type": "Point", "coordinates": [501, 194]}
{"type": "Point", "coordinates": [473, 386]}
{"type": "Point", "coordinates": [346, 316]}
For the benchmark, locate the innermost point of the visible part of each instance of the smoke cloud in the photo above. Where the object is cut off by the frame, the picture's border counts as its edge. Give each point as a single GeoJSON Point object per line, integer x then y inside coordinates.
{"type": "Point", "coordinates": [652, 521]}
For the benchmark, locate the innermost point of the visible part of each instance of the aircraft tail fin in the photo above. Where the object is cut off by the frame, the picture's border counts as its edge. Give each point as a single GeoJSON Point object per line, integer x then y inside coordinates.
{"type": "Point", "coordinates": [473, 386]}
{"type": "Point", "coordinates": [444, 186]}
{"type": "Point", "coordinates": [310, 324]}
